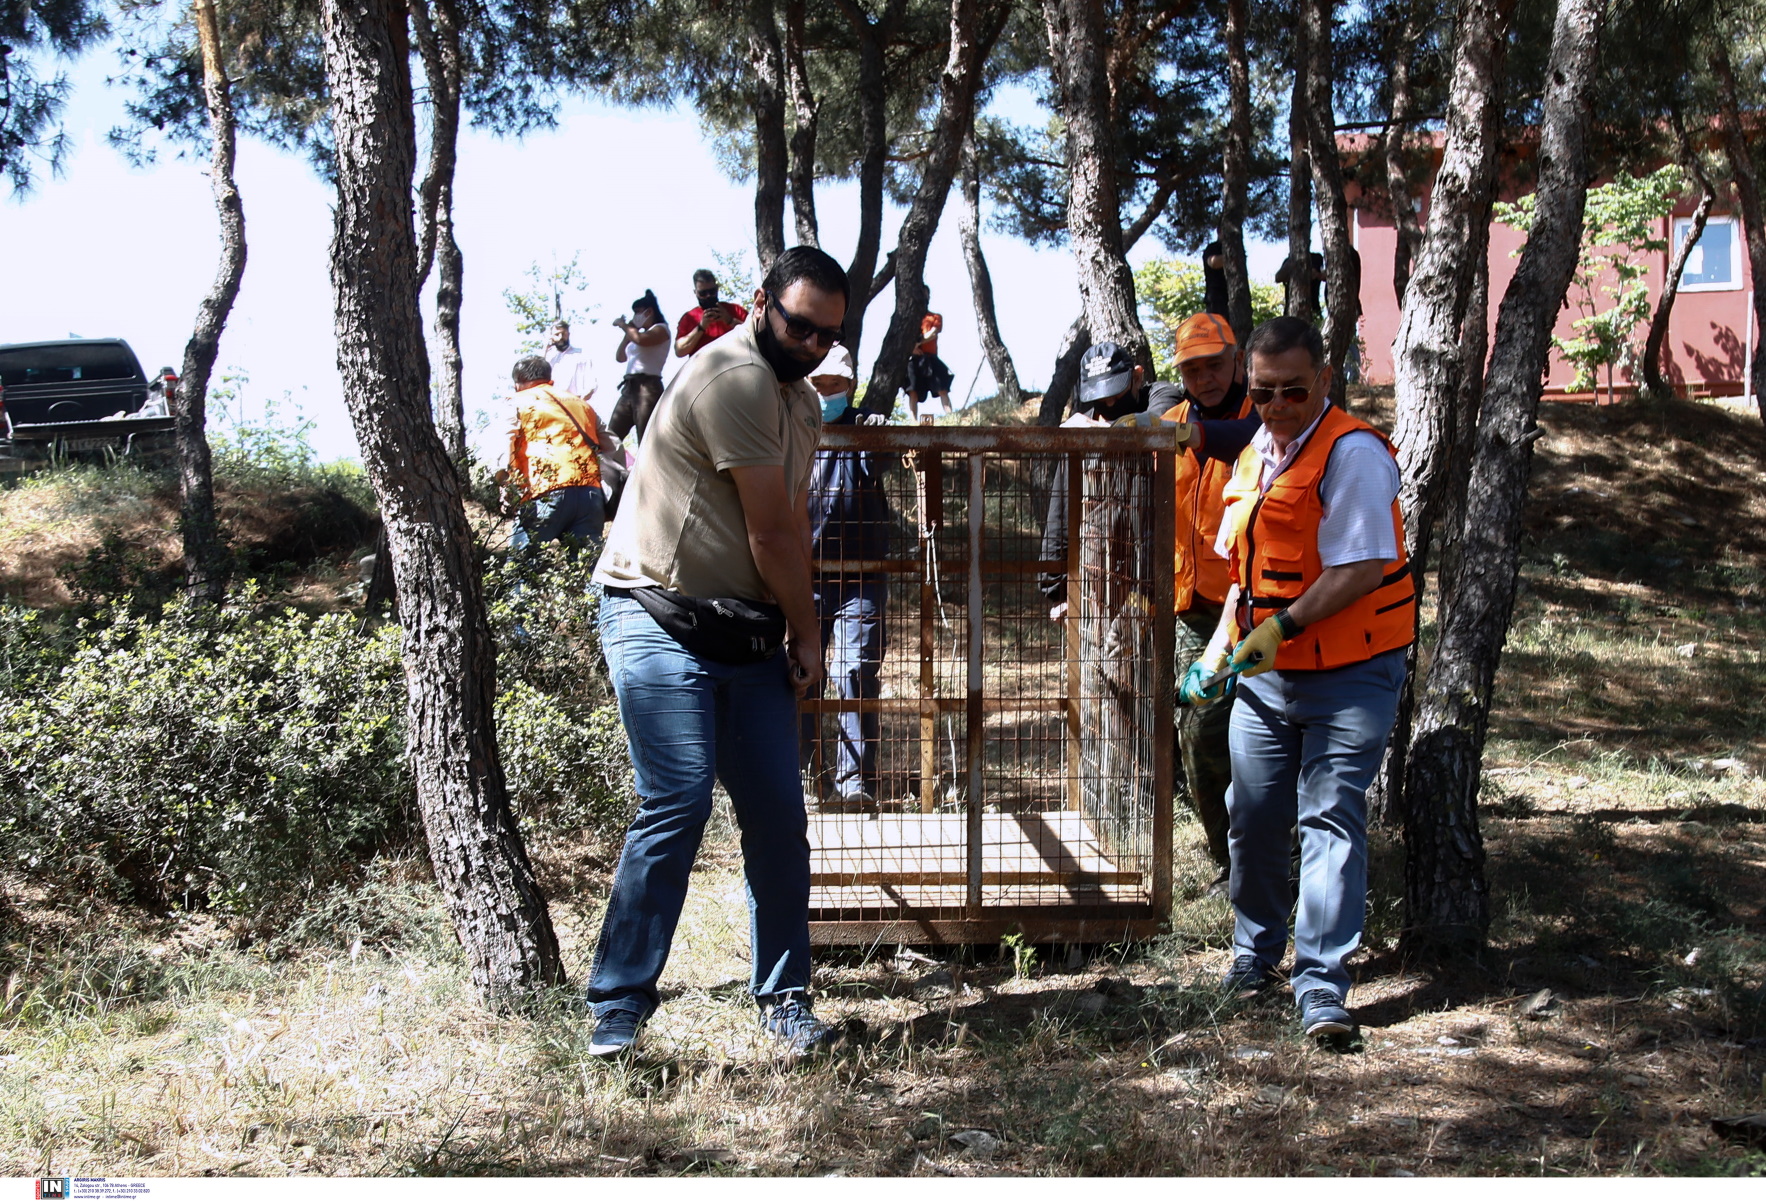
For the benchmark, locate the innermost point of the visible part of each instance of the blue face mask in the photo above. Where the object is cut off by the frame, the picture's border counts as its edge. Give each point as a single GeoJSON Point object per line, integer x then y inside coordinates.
{"type": "Point", "coordinates": [833, 406]}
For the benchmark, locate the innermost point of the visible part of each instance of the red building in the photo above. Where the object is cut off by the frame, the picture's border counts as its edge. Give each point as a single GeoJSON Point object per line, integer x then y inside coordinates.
{"type": "Point", "coordinates": [1710, 332]}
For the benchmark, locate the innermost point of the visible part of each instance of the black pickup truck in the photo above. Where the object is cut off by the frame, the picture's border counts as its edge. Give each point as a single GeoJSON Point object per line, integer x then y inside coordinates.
{"type": "Point", "coordinates": [80, 397]}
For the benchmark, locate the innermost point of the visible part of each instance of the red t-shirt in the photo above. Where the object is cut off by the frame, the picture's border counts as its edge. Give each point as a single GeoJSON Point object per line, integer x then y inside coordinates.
{"type": "Point", "coordinates": [717, 329]}
{"type": "Point", "coordinates": [930, 324]}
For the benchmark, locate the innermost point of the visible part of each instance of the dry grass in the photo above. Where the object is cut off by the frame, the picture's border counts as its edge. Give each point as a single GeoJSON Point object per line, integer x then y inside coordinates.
{"type": "Point", "coordinates": [1626, 827]}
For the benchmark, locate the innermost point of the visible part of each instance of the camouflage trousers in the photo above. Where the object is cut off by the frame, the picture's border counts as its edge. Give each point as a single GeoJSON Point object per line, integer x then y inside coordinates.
{"type": "Point", "coordinates": [1205, 765]}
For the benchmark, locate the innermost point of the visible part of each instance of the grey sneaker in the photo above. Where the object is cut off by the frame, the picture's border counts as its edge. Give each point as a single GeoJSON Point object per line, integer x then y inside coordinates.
{"type": "Point", "coordinates": [1246, 978]}
{"type": "Point", "coordinates": [1322, 1014]}
{"type": "Point", "coordinates": [802, 1032]}
{"type": "Point", "coordinates": [615, 1034]}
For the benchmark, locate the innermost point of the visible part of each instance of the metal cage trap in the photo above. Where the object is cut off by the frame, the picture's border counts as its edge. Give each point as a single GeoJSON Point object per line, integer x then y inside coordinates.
{"type": "Point", "coordinates": [993, 769]}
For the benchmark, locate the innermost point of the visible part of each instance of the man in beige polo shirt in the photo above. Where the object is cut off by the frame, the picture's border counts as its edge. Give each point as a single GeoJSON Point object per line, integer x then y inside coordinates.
{"type": "Point", "coordinates": [718, 508]}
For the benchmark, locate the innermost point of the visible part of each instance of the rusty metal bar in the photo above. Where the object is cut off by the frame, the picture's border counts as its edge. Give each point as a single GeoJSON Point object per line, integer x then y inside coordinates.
{"type": "Point", "coordinates": [932, 879]}
{"type": "Point", "coordinates": [976, 720]}
{"type": "Point", "coordinates": [945, 704]}
{"type": "Point", "coordinates": [930, 482]}
{"type": "Point", "coordinates": [1164, 671]}
{"type": "Point", "coordinates": [948, 566]}
{"type": "Point", "coordinates": [1007, 439]}
{"type": "Point", "coordinates": [1071, 927]}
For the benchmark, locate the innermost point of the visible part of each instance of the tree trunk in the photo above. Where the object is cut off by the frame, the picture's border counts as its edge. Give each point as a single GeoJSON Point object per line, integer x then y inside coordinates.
{"type": "Point", "coordinates": [1658, 322]}
{"type": "Point", "coordinates": [1074, 344]}
{"type": "Point", "coordinates": [1298, 290]}
{"type": "Point", "coordinates": [803, 137]}
{"type": "Point", "coordinates": [1342, 264]}
{"type": "Point", "coordinates": [450, 397]}
{"type": "Point", "coordinates": [1078, 50]}
{"type": "Point", "coordinates": [1429, 431]}
{"type": "Point", "coordinates": [438, 45]}
{"type": "Point", "coordinates": [475, 846]}
{"type": "Point", "coordinates": [770, 157]}
{"type": "Point", "coordinates": [1235, 172]}
{"type": "Point", "coordinates": [1753, 217]}
{"type": "Point", "coordinates": [974, 27]}
{"type": "Point", "coordinates": [205, 565]}
{"type": "Point", "coordinates": [1447, 904]}
{"type": "Point", "coordinates": [1408, 242]}
{"type": "Point", "coordinates": [999, 359]}
{"type": "Point", "coordinates": [873, 95]}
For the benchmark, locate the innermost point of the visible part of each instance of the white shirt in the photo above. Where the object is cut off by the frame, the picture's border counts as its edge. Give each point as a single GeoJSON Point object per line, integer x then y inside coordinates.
{"type": "Point", "coordinates": [573, 371]}
{"type": "Point", "coordinates": [1356, 492]}
{"type": "Point", "coordinates": [647, 360]}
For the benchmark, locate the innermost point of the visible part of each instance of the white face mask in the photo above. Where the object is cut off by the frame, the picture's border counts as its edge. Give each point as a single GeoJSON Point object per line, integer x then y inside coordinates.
{"type": "Point", "coordinates": [833, 406]}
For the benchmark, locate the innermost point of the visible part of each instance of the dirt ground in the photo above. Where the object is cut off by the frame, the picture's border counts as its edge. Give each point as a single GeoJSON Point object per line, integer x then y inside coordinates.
{"type": "Point", "coordinates": [1619, 1010]}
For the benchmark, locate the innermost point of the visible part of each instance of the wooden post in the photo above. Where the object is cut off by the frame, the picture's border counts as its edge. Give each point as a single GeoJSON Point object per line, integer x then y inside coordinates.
{"type": "Point", "coordinates": [975, 718]}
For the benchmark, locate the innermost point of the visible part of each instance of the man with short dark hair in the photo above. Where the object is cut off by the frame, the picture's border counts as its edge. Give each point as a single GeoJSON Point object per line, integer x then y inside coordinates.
{"type": "Point", "coordinates": [709, 320]}
{"type": "Point", "coordinates": [1316, 623]}
{"type": "Point", "coordinates": [715, 525]}
{"type": "Point", "coordinates": [552, 463]}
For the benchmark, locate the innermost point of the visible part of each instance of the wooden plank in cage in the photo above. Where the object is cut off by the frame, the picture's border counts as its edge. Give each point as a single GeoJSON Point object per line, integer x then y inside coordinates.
{"type": "Point", "coordinates": [1035, 928]}
{"type": "Point", "coordinates": [930, 483]}
{"type": "Point", "coordinates": [1164, 670]}
{"type": "Point", "coordinates": [1075, 744]}
{"type": "Point", "coordinates": [949, 704]}
{"type": "Point", "coordinates": [975, 720]}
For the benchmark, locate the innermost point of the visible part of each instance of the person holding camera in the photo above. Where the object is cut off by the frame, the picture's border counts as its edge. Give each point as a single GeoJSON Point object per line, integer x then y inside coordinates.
{"type": "Point", "coordinates": [643, 348]}
{"type": "Point", "coordinates": [709, 320]}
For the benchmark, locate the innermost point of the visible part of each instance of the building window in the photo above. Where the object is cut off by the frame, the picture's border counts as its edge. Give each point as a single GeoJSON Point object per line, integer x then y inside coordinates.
{"type": "Point", "coordinates": [1715, 262]}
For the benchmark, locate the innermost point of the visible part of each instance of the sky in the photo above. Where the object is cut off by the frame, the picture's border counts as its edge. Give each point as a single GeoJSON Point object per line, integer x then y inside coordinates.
{"type": "Point", "coordinates": [111, 250]}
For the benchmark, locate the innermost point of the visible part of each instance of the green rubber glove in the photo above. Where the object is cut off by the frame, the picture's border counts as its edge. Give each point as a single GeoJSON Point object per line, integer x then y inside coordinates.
{"type": "Point", "coordinates": [1191, 691]}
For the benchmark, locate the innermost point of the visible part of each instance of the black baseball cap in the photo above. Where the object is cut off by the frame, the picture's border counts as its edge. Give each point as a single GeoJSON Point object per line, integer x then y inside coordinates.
{"type": "Point", "coordinates": [1105, 371]}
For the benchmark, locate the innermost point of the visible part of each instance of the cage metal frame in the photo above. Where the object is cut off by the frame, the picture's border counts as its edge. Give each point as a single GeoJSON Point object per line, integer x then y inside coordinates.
{"type": "Point", "coordinates": [975, 920]}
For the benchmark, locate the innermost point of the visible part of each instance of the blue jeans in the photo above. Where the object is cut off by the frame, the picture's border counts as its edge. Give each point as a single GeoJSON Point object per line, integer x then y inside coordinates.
{"type": "Point", "coordinates": [577, 513]}
{"type": "Point", "coordinates": [690, 721]}
{"type": "Point", "coordinates": [852, 640]}
{"type": "Point", "coordinates": [1305, 746]}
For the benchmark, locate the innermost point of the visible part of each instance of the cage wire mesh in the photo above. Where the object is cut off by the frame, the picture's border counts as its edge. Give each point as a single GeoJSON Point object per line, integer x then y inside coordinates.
{"type": "Point", "coordinates": [981, 762]}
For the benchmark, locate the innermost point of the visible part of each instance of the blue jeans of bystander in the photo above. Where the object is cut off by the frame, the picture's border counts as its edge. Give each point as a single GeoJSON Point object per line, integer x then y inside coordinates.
{"type": "Point", "coordinates": [1305, 746]}
{"type": "Point", "coordinates": [690, 721]}
{"type": "Point", "coordinates": [852, 641]}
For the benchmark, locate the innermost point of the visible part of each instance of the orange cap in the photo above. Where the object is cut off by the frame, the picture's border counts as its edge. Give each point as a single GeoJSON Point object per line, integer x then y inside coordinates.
{"type": "Point", "coordinates": [1202, 335]}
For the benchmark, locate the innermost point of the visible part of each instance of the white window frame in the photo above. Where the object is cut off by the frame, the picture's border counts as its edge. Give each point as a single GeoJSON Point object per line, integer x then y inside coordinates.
{"type": "Point", "coordinates": [1683, 226]}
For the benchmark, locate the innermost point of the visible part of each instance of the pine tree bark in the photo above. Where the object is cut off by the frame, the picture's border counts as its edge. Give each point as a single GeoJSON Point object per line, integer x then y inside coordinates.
{"type": "Point", "coordinates": [1079, 53]}
{"type": "Point", "coordinates": [1342, 264]}
{"type": "Point", "coordinates": [1408, 243]}
{"type": "Point", "coordinates": [1297, 294]}
{"type": "Point", "coordinates": [807, 114]}
{"type": "Point", "coordinates": [999, 359]}
{"type": "Point", "coordinates": [1447, 904]}
{"type": "Point", "coordinates": [438, 45]}
{"type": "Point", "coordinates": [975, 25]}
{"type": "Point", "coordinates": [770, 154]}
{"type": "Point", "coordinates": [475, 846]}
{"type": "Point", "coordinates": [1430, 431]}
{"type": "Point", "coordinates": [1658, 322]}
{"type": "Point", "coordinates": [205, 561]}
{"type": "Point", "coordinates": [1753, 215]}
{"type": "Point", "coordinates": [1074, 343]}
{"type": "Point", "coordinates": [1235, 172]}
{"type": "Point", "coordinates": [873, 37]}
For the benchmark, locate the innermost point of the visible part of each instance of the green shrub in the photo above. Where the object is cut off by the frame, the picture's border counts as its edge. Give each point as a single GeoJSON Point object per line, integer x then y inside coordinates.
{"type": "Point", "coordinates": [208, 757]}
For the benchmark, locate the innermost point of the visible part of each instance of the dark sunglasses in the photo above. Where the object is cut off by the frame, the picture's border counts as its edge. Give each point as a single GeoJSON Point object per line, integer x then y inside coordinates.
{"type": "Point", "coordinates": [800, 330]}
{"type": "Point", "coordinates": [1294, 394]}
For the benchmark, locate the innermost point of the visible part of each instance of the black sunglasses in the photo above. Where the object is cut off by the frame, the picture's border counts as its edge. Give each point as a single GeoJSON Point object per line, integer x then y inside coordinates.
{"type": "Point", "coordinates": [1294, 394]}
{"type": "Point", "coordinates": [800, 330]}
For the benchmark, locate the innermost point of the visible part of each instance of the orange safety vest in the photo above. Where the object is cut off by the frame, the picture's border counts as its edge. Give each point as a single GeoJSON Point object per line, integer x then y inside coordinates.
{"type": "Point", "coordinates": [553, 443]}
{"type": "Point", "coordinates": [1197, 568]}
{"type": "Point", "coordinates": [1275, 558]}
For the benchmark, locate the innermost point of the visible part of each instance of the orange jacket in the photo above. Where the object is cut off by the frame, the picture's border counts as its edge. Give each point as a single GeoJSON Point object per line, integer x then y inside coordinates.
{"type": "Point", "coordinates": [547, 450]}
{"type": "Point", "coordinates": [1275, 558]}
{"type": "Point", "coordinates": [1197, 568]}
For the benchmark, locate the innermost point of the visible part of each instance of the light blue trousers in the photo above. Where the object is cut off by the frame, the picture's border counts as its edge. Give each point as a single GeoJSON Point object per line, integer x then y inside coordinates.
{"type": "Point", "coordinates": [1305, 747]}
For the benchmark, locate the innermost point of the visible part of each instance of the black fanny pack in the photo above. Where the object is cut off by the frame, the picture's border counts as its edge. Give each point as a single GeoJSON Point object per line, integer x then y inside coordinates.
{"type": "Point", "coordinates": [720, 628]}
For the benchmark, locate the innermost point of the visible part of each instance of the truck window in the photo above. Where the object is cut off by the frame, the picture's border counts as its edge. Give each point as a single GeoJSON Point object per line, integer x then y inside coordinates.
{"type": "Point", "coordinates": [66, 364]}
